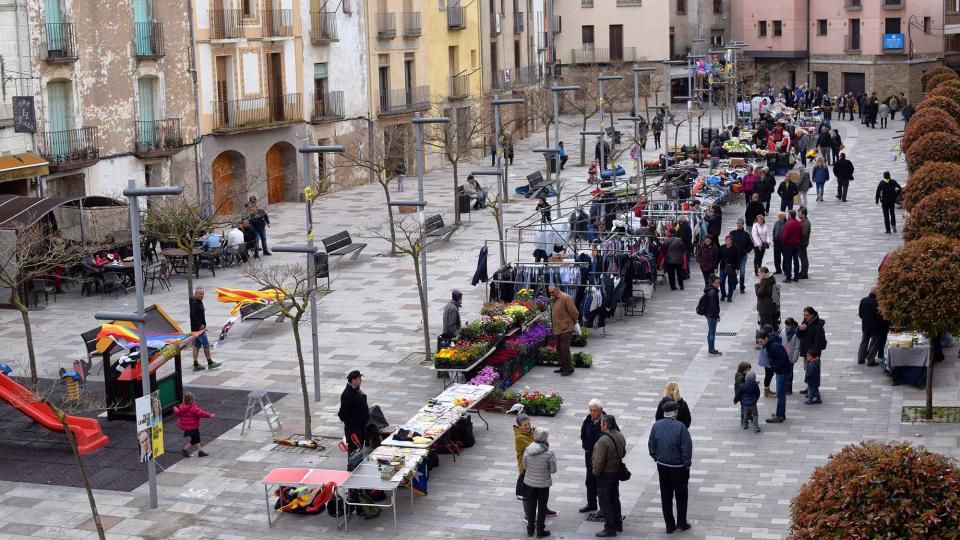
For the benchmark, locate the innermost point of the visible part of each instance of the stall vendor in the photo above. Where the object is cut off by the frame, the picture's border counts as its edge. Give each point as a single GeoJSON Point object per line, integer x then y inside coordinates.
{"type": "Point", "coordinates": [354, 412]}
{"type": "Point", "coordinates": [451, 316]}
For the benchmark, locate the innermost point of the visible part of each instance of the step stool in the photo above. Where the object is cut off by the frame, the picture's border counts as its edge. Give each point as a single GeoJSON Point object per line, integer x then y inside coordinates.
{"type": "Point", "coordinates": [261, 398]}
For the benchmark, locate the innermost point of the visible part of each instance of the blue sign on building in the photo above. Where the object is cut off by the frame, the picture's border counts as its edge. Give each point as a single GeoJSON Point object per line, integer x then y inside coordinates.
{"type": "Point", "coordinates": [892, 41]}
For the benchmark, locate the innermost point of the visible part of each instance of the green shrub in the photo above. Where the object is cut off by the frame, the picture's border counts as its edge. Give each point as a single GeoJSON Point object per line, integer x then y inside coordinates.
{"type": "Point", "coordinates": [928, 179]}
{"type": "Point", "coordinates": [937, 213]}
{"type": "Point", "coordinates": [932, 147]}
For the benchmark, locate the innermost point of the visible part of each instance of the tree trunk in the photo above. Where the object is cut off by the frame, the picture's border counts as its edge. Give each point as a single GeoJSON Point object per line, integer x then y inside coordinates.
{"type": "Point", "coordinates": [83, 470]}
{"type": "Point", "coordinates": [307, 426]}
{"type": "Point", "coordinates": [932, 358]}
{"type": "Point", "coordinates": [424, 308]}
{"type": "Point", "coordinates": [546, 131]}
{"type": "Point", "coordinates": [27, 330]}
{"type": "Point", "coordinates": [456, 194]}
{"type": "Point", "coordinates": [583, 143]}
{"type": "Point", "coordinates": [393, 230]}
{"type": "Point", "coordinates": [187, 248]}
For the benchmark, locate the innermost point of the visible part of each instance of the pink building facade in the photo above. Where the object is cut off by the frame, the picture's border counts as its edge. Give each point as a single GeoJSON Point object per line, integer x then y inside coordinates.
{"type": "Point", "coordinates": [880, 46]}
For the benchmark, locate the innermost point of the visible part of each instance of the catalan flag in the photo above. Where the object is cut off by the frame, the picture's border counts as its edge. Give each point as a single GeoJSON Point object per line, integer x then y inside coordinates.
{"type": "Point", "coordinates": [243, 297]}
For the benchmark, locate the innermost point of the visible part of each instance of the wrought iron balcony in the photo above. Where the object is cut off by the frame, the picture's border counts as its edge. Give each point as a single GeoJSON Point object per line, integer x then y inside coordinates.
{"type": "Point", "coordinates": [148, 39]}
{"type": "Point", "coordinates": [411, 24]}
{"type": "Point", "coordinates": [459, 86]}
{"type": "Point", "coordinates": [602, 56]}
{"type": "Point", "coordinates": [405, 100]}
{"type": "Point", "coordinates": [226, 24]}
{"type": "Point", "coordinates": [253, 113]}
{"type": "Point", "coordinates": [508, 79]}
{"type": "Point", "coordinates": [61, 42]}
{"type": "Point", "coordinates": [327, 107]}
{"type": "Point", "coordinates": [518, 22]}
{"type": "Point", "coordinates": [323, 26]}
{"type": "Point", "coordinates": [157, 138]}
{"type": "Point", "coordinates": [456, 18]}
{"type": "Point", "coordinates": [386, 25]}
{"type": "Point", "coordinates": [277, 23]}
{"type": "Point", "coordinates": [70, 148]}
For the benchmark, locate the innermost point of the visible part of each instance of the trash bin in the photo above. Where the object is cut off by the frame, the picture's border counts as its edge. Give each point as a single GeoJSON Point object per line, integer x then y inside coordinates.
{"type": "Point", "coordinates": [551, 161]}
{"type": "Point", "coordinates": [463, 203]}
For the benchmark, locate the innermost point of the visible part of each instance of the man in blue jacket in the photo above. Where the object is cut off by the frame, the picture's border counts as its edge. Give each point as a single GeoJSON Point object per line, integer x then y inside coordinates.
{"type": "Point", "coordinates": [671, 447]}
{"type": "Point", "coordinates": [780, 362]}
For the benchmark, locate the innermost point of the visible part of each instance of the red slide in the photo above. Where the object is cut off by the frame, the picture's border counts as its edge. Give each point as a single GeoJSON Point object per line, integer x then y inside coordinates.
{"type": "Point", "coordinates": [86, 431]}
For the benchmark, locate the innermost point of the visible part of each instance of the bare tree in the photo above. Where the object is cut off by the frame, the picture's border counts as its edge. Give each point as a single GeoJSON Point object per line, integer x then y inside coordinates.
{"type": "Point", "coordinates": [650, 84]}
{"type": "Point", "coordinates": [295, 285]}
{"type": "Point", "coordinates": [457, 140]}
{"type": "Point", "coordinates": [585, 101]}
{"type": "Point", "coordinates": [36, 252]}
{"type": "Point", "coordinates": [541, 108]}
{"type": "Point", "coordinates": [678, 119]}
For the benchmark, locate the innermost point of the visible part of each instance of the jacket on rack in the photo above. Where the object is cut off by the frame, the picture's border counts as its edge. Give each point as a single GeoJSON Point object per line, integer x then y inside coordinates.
{"type": "Point", "coordinates": [481, 272]}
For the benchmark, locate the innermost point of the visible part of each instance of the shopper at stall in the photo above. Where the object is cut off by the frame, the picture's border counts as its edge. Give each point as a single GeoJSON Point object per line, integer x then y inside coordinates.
{"type": "Point", "coordinates": [608, 456]}
{"type": "Point", "coordinates": [563, 317]}
{"type": "Point", "coordinates": [760, 238]}
{"type": "Point", "coordinates": [807, 228]}
{"type": "Point", "coordinates": [539, 466]}
{"type": "Point", "coordinates": [887, 192]}
{"type": "Point", "coordinates": [671, 392]}
{"type": "Point", "coordinates": [674, 260]}
{"type": "Point", "coordinates": [744, 244]}
{"type": "Point", "coordinates": [451, 317]}
{"type": "Point", "coordinates": [354, 412]}
{"type": "Point", "coordinates": [198, 323]}
{"type": "Point", "coordinates": [714, 220]}
{"type": "Point", "coordinates": [768, 299]}
{"type": "Point", "coordinates": [671, 447]}
{"type": "Point", "coordinates": [821, 174]}
{"type": "Point", "coordinates": [590, 433]}
{"type": "Point", "coordinates": [522, 438]}
{"type": "Point", "coordinates": [708, 257]}
{"type": "Point", "coordinates": [770, 342]}
{"type": "Point", "coordinates": [778, 241]}
{"type": "Point", "coordinates": [825, 145]}
{"type": "Point", "coordinates": [803, 184]}
{"type": "Point", "coordinates": [871, 325]}
{"type": "Point", "coordinates": [754, 209]}
{"type": "Point", "coordinates": [791, 237]}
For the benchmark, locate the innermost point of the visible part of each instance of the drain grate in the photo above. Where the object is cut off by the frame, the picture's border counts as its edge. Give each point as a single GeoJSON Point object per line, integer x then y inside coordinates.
{"type": "Point", "coordinates": [727, 334]}
{"type": "Point", "coordinates": [597, 517]}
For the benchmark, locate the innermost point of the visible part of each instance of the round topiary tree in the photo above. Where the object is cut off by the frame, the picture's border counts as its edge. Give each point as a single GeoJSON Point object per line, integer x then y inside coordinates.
{"type": "Point", "coordinates": [928, 179]}
{"type": "Point", "coordinates": [918, 290]}
{"type": "Point", "coordinates": [947, 90]}
{"type": "Point", "coordinates": [937, 213]}
{"type": "Point", "coordinates": [935, 71]}
{"type": "Point", "coordinates": [926, 121]}
{"type": "Point", "coordinates": [879, 490]}
{"type": "Point", "coordinates": [952, 83]}
{"type": "Point", "coordinates": [940, 102]}
{"type": "Point", "coordinates": [935, 146]}
{"type": "Point", "coordinates": [935, 80]}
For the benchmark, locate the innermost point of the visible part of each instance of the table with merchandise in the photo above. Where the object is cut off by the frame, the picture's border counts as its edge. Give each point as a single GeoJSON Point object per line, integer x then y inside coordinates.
{"type": "Point", "coordinates": [387, 468]}
{"type": "Point", "coordinates": [435, 418]}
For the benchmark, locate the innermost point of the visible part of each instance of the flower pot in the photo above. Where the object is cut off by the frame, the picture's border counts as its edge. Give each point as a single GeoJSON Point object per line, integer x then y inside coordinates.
{"type": "Point", "coordinates": [496, 405]}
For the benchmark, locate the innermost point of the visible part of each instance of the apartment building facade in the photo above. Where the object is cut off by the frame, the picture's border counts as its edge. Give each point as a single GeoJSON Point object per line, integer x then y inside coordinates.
{"type": "Point", "coordinates": [880, 46]}
{"type": "Point", "coordinates": [513, 44]}
{"type": "Point", "coordinates": [613, 32]}
{"type": "Point", "coordinates": [708, 20]}
{"type": "Point", "coordinates": [112, 98]}
{"type": "Point", "coordinates": [951, 33]}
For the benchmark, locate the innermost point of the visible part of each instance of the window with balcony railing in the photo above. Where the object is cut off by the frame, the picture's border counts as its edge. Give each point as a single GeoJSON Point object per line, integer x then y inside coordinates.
{"type": "Point", "coordinates": [586, 3]}
{"type": "Point", "coordinates": [853, 4]}
{"type": "Point", "coordinates": [250, 113]}
{"type": "Point", "coordinates": [893, 4]}
{"type": "Point", "coordinates": [70, 148]}
{"type": "Point", "coordinates": [148, 39]}
{"type": "Point", "coordinates": [411, 24]}
{"type": "Point", "coordinates": [323, 26]}
{"type": "Point", "coordinates": [386, 25]}
{"type": "Point", "coordinates": [157, 137]}
{"type": "Point", "coordinates": [61, 42]}
{"type": "Point", "coordinates": [328, 106]}
{"type": "Point", "coordinates": [456, 19]}
{"type": "Point", "coordinates": [594, 55]}
{"type": "Point", "coordinates": [518, 22]}
{"type": "Point", "coordinates": [277, 22]}
{"type": "Point", "coordinates": [226, 24]}
{"type": "Point", "coordinates": [405, 100]}
{"type": "Point", "coordinates": [459, 86]}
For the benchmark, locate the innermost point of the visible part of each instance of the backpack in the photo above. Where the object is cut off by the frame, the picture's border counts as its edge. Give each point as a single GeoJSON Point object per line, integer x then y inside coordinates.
{"type": "Point", "coordinates": [369, 512]}
{"type": "Point", "coordinates": [775, 294]}
{"type": "Point", "coordinates": [702, 305]}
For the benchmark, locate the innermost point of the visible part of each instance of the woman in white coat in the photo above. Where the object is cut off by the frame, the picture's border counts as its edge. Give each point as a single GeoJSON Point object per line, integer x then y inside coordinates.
{"type": "Point", "coordinates": [761, 241]}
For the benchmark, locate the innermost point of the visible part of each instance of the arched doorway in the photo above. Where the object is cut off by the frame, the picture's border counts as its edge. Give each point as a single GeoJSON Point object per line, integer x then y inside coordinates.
{"type": "Point", "coordinates": [229, 175]}
{"type": "Point", "coordinates": [281, 172]}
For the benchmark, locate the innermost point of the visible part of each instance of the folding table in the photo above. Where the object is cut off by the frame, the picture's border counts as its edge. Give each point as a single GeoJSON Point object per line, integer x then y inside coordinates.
{"type": "Point", "coordinates": [367, 476]}
{"type": "Point", "coordinates": [299, 477]}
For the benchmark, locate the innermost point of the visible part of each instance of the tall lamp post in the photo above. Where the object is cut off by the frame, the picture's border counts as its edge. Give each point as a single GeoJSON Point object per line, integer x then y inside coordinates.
{"type": "Point", "coordinates": [503, 187]}
{"type": "Point", "coordinates": [555, 152]}
{"type": "Point", "coordinates": [497, 173]}
{"type": "Point", "coordinates": [603, 101]}
{"type": "Point", "coordinates": [667, 107]}
{"type": "Point", "coordinates": [133, 194]}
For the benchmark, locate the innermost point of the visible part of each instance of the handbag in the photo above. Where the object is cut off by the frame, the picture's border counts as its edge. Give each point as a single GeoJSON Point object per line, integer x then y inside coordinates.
{"type": "Point", "coordinates": [765, 245]}
{"type": "Point", "coordinates": [521, 488]}
{"type": "Point", "coordinates": [623, 473]}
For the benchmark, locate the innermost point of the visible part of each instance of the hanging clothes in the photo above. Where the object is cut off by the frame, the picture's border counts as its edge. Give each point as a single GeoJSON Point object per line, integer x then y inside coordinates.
{"type": "Point", "coordinates": [481, 273]}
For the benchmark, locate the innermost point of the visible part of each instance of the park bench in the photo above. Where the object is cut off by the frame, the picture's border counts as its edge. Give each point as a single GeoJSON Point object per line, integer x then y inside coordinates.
{"type": "Point", "coordinates": [434, 228]}
{"type": "Point", "coordinates": [537, 186]}
{"type": "Point", "coordinates": [341, 244]}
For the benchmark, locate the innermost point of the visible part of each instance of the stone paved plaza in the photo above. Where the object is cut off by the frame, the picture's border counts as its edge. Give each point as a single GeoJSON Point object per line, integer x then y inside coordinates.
{"type": "Point", "coordinates": [741, 482]}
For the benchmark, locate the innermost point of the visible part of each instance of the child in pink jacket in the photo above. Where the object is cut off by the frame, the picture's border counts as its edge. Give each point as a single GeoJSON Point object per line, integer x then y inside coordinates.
{"type": "Point", "coordinates": [188, 419]}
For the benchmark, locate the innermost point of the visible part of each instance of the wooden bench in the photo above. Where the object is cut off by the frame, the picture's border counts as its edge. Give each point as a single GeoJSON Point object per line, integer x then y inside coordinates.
{"type": "Point", "coordinates": [341, 244]}
{"type": "Point", "coordinates": [539, 186]}
{"type": "Point", "coordinates": [435, 228]}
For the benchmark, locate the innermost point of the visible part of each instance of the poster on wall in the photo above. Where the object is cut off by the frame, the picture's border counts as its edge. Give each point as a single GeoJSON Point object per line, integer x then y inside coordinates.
{"type": "Point", "coordinates": [149, 427]}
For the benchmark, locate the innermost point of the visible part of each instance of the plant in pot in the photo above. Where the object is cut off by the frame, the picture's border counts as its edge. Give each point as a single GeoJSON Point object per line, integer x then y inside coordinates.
{"type": "Point", "coordinates": [538, 403]}
{"type": "Point", "coordinates": [580, 340]}
{"type": "Point", "coordinates": [582, 359]}
{"type": "Point", "coordinates": [547, 356]}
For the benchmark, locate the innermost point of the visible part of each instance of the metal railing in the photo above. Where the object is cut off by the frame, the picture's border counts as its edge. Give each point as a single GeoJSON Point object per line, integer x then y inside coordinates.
{"type": "Point", "coordinates": [518, 22]}
{"type": "Point", "coordinates": [506, 79]}
{"type": "Point", "coordinates": [158, 136]}
{"type": "Point", "coordinates": [459, 86]}
{"type": "Point", "coordinates": [894, 4]}
{"type": "Point", "coordinates": [411, 24]}
{"type": "Point", "coordinates": [851, 42]}
{"type": "Point", "coordinates": [70, 147]}
{"type": "Point", "coordinates": [603, 56]}
{"type": "Point", "coordinates": [226, 23]}
{"type": "Point", "coordinates": [496, 23]}
{"type": "Point", "coordinates": [456, 19]}
{"type": "Point", "coordinates": [405, 100]}
{"type": "Point", "coordinates": [148, 39]}
{"type": "Point", "coordinates": [61, 42]}
{"type": "Point", "coordinates": [277, 22]}
{"type": "Point", "coordinates": [586, 3]}
{"type": "Point", "coordinates": [853, 4]}
{"type": "Point", "coordinates": [628, 3]}
{"type": "Point", "coordinates": [328, 106]}
{"type": "Point", "coordinates": [323, 26]}
{"type": "Point", "coordinates": [386, 25]}
{"type": "Point", "coordinates": [247, 113]}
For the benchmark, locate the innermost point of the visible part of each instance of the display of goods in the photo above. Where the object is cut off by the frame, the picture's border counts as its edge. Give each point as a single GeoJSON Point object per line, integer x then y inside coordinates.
{"type": "Point", "coordinates": [460, 356]}
{"type": "Point", "coordinates": [547, 356]}
{"type": "Point", "coordinates": [580, 340]}
{"type": "Point", "coordinates": [538, 403]}
{"type": "Point", "coordinates": [530, 339]}
{"type": "Point", "coordinates": [502, 356]}
{"type": "Point", "coordinates": [498, 401]}
{"type": "Point", "coordinates": [517, 313]}
{"type": "Point", "coordinates": [493, 308]}
{"type": "Point", "coordinates": [488, 375]}
{"type": "Point", "coordinates": [582, 359]}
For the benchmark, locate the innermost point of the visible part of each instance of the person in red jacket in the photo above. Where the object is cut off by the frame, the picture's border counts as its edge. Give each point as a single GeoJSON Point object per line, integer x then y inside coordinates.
{"type": "Point", "coordinates": [791, 238]}
{"type": "Point", "coordinates": [188, 419]}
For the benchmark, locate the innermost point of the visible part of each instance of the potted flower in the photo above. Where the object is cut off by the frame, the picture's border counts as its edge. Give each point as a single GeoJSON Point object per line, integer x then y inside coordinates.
{"type": "Point", "coordinates": [498, 401]}
{"type": "Point", "coordinates": [580, 340]}
{"type": "Point", "coordinates": [581, 359]}
{"type": "Point", "coordinates": [493, 308]}
{"type": "Point", "coordinates": [517, 313]}
{"type": "Point", "coordinates": [487, 376]}
{"type": "Point", "coordinates": [525, 294]}
{"type": "Point", "coordinates": [547, 356]}
{"type": "Point", "coordinates": [540, 404]}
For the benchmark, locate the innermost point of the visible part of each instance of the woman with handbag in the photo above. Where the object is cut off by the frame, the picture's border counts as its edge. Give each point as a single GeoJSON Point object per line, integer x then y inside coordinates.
{"type": "Point", "coordinates": [539, 465]}
{"type": "Point", "coordinates": [609, 469]}
{"type": "Point", "coordinates": [758, 233]}
{"type": "Point", "coordinates": [522, 438]}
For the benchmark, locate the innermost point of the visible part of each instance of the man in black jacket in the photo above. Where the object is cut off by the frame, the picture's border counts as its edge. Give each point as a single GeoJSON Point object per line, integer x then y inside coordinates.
{"type": "Point", "coordinates": [744, 245]}
{"type": "Point", "coordinates": [767, 185]}
{"type": "Point", "coordinates": [825, 144]}
{"type": "Point", "coordinates": [874, 329]}
{"type": "Point", "coordinates": [198, 323]}
{"type": "Point", "coordinates": [711, 300]}
{"type": "Point", "coordinates": [589, 435]}
{"type": "Point", "coordinates": [887, 192]}
{"type": "Point", "coordinates": [843, 171]}
{"type": "Point", "coordinates": [811, 335]}
{"type": "Point", "coordinates": [354, 412]}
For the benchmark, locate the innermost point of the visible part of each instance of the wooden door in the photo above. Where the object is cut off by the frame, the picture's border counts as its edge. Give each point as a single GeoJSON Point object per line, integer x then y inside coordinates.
{"type": "Point", "coordinates": [222, 171]}
{"type": "Point", "coordinates": [223, 92]}
{"type": "Point", "coordinates": [276, 175]}
{"type": "Point", "coordinates": [275, 86]}
{"type": "Point", "coordinates": [616, 42]}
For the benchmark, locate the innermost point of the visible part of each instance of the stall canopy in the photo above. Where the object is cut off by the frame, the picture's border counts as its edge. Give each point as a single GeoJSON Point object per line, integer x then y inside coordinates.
{"type": "Point", "coordinates": [26, 165]}
{"type": "Point", "coordinates": [18, 212]}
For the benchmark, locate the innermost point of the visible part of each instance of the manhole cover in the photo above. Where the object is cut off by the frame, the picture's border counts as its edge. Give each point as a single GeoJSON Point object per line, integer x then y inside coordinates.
{"type": "Point", "coordinates": [727, 334]}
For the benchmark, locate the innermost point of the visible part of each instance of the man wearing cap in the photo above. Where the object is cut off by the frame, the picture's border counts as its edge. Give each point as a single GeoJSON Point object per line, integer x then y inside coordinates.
{"type": "Point", "coordinates": [354, 412]}
{"type": "Point", "coordinates": [671, 447]}
{"type": "Point", "coordinates": [451, 316]}
{"type": "Point", "coordinates": [563, 318]}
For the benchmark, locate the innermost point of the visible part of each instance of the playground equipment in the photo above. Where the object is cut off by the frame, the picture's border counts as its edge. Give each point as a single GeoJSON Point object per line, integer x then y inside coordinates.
{"type": "Point", "coordinates": [86, 431]}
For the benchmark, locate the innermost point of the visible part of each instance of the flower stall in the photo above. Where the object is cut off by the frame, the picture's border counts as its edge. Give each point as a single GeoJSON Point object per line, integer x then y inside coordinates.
{"type": "Point", "coordinates": [537, 403]}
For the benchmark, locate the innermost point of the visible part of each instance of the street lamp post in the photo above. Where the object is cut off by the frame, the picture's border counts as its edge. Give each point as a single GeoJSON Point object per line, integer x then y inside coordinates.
{"type": "Point", "coordinates": [133, 194]}
{"type": "Point", "coordinates": [603, 101]}
{"type": "Point", "coordinates": [503, 185]}
{"type": "Point", "coordinates": [496, 173]}
{"type": "Point", "coordinates": [555, 152]}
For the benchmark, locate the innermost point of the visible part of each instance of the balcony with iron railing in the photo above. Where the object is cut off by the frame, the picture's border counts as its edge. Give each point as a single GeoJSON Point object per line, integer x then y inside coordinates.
{"type": "Point", "coordinates": [226, 24]}
{"type": "Point", "coordinates": [155, 138]}
{"type": "Point", "coordinates": [459, 86]}
{"type": "Point", "coordinates": [851, 43]}
{"type": "Point", "coordinates": [590, 55]}
{"type": "Point", "coordinates": [894, 4]}
{"type": "Point", "coordinates": [327, 107]}
{"type": "Point", "coordinates": [405, 100]}
{"type": "Point", "coordinates": [253, 113]}
{"type": "Point", "coordinates": [518, 22]}
{"type": "Point", "coordinates": [411, 24]}
{"type": "Point", "coordinates": [323, 26]}
{"type": "Point", "coordinates": [586, 3]}
{"type": "Point", "coordinates": [629, 3]}
{"type": "Point", "coordinates": [148, 39]}
{"type": "Point", "coordinates": [386, 25]}
{"type": "Point", "coordinates": [496, 23]}
{"type": "Point", "coordinates": [70, 148]}
{"type": "Point", "coordinates": [509, 79]}
{"type": "Point", "coordinates": [853, 5]}
{"type": "Point", "coordinates": [456, 18]}
{"type": "Point", "coordinates": [277, 23]}
{"type": "Point", "coordinates": [61, 41]}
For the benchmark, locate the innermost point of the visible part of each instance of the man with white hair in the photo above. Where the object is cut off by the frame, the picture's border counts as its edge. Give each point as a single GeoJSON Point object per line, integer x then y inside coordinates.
{"type": "Point", "coordinates": [671, 447]}
{"type": "Point", "coordinates": [589, 435]}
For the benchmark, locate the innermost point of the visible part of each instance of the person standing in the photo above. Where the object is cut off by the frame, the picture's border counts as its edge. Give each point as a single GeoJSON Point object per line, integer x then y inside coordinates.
{"type": "Point", "coordinates": [590, 433]}
{"type": "Point", "coordinates": [768, 184]}
{"type": "Point", "coordinates": [908, 111]}
{"type": "Point", "coordinates": [709, 259]}
{"type": "Point", "coordinates": [354, 412]}
{"type": "Point", "coordinates": [539, 465]}
{"type": "Point", "coordinates": [657, 129]}
{"type": "Point", "coordinates": [671, 447]}
{"type": "Point", "coordinates": [807, 143]}
{"type": "Point", "coordinates": [673, 261]}
{"type": "Point", "coordinates": [770, 342]}
{"type": "Point", "coordinates": [887, 192]}
{"type": "Point", "coordinates": [522, 438]}
{"type": "Point", "coordinates": [744, 244]}
{"type": "Point", "coordinates": [563, 155]}
{"type": "Point", "coordinates": [778, 241]}
{"type": "Point", "coordinates": [843, 171]}
{"type": "Point", "coordinates": [883, 112]}
{"type": "Point", "coordinates": [400, 171]}
{"type": "Point", "coordinates": [760, 238]}
{"type": "Point", "coordinates": [787, 191]}
{"type": "Point", "coordinates": [803, 184]}
{"type": "Point", "coordinates": [198, 323]}
{"type": "Point", "coordinates": [837, 146]}
{"type": "Point", "coordinates": [544, 208]}
{"type": "Point", "coordinates": [825, 144]}
{"type": "Point", "coordinates": [792, 237]}
{"type": "Point", "coordinates": [601, 153]}
{"type": "Point", "coordinates": [563, 316]}
{"type": "Point", "coordinates": [768, 306]}
{"type": "Point", "coordinates": [754, 209]}
{"type": "Point", "coordinates": [821, 174]}
{"type": "Point", "coordinates": [451, 317]}
{"type": "Point", "coordinates": [750, 181]}
{"type": "Point", "coordinates": [260, 221]}
{"type": "Point", "coordinates": [872, 328]}
{"type": "Point", "coordinates": [711, 311]}
{"type": "Point", "coordinates": [729, 265]}
{"type": "Point", "coordinates": [804, 244]}
{"type": "Point", "coordinates": [813, 337]}
{"type": "Point", "coordinates": [894, 106]}
{"type": "Point", "coordinates": [714, 219]}
{"type": "Point", "coordinates": [608, 454]}
{"type": "Point", "coordinates": [671, 392]}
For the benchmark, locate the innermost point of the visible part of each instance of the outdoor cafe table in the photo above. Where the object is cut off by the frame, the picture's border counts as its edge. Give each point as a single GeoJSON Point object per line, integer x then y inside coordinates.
{"type": "Point", "coordinates": [125, 268]}
{"type": "Point", "coordinates": [434, 420]}
{"type": "Point", "coordinates": [298, 477]}
{"type": "Point", "coordinates": [178, 259]}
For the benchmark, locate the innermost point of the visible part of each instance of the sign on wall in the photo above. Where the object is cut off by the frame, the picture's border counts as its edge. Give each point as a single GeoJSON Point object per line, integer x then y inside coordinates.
{"type": "Point", "coordinates": [24, 115]}
{"type": "Point", "coordinates": [892, 41]}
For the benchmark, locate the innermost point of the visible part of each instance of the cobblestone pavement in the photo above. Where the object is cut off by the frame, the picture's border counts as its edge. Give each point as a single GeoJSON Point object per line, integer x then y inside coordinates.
{"type": "Point", "coordinates": [741, 482]}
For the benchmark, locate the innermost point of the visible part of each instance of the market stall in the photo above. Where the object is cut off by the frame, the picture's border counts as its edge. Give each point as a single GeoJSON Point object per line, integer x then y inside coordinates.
{"type": "Point", "coordinates": [906, 358]}
{"type": "Point", "coordinates": [438, 416]}
{"type": "Point", "coordinates": [308, 484]}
